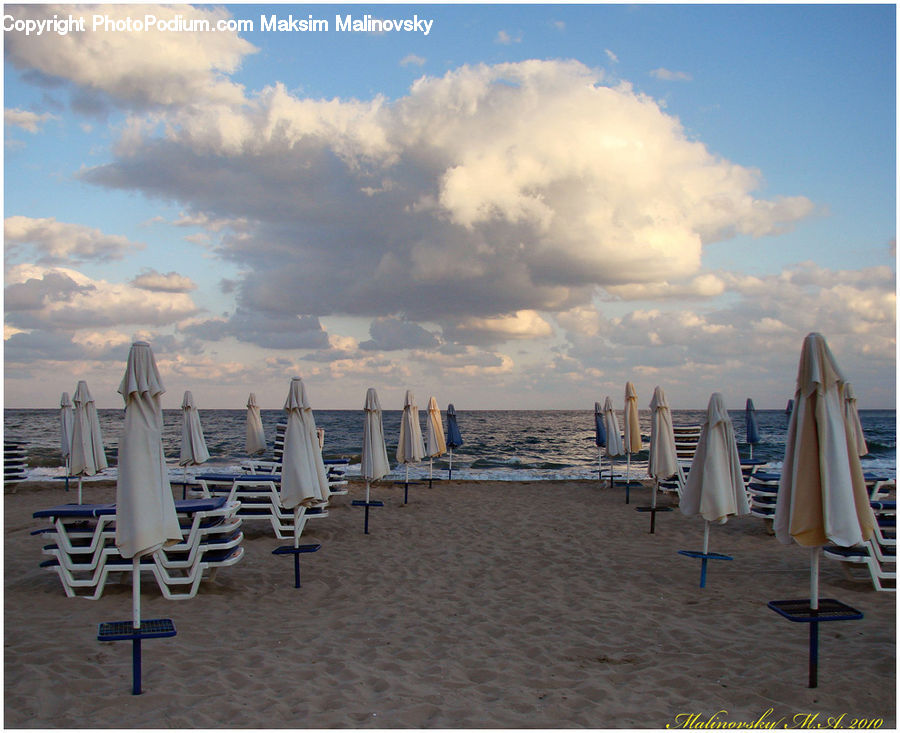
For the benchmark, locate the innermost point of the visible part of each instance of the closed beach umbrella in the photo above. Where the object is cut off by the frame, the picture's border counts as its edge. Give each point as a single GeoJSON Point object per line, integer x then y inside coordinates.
{"type": "Point", "coordinates": [256, 436]}
{"type": "Point", "coordinates": [715, 486]}
{"type": "Point", "coordinates": [410, 448]}
{"type": "Point", "coordinates": [599, 436]}
{"type": "Point", "coordinates": [822, 494]}
{"type": "Point", "coordinates": [632, 435]}
{"type": "Point", "coordinates": [66, 423]}
{"type": "Point", "coordinates": [614, 445]}
{"type": "Point", "coordinates": [145, 509]}
{"type": "Point", "coordinates": [435, 444]}
{"type": "Point", "coordinates": [303, 477]}
{"type": "Point", "coordinates": [851, 417]}
{"type": "Point", "coordinates": [751, 424]}
{"type": "Point", "coordinates": [663, 456]}
{"type": "Point", "coordinates": [374, 462]}
{"type": "Point", "coordinates": [454, 437]}
{"type": "Point", "coordinates": [88, 456]}
{"type": "Point", "coordinates": [193, 444]}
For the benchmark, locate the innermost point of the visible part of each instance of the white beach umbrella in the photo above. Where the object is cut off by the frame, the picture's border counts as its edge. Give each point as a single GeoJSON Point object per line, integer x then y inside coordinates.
{"type": "Point", "coordinates": [374, 462]}
{"type": "Point", "coordinates": [435, 444]}
{"type": "Point", "coordinates": [663, 456]}
{"type": "Point", "coordinates": [303, 477]}
{"type": "Point", "coordinates": [851, 418]}
{"type": "Point", "coordinates": [256, 436]}
{"type": "Point", "coordinates": [614, 446]}
{"type": "Point", "coordinates": [822, 493]}
{"type": "Point", "coordinates": [632, 436]}
{"type": "Point", "coordinates": [193, 444]}
{"type": "Point", "coordinates": [88, 457]}
{"type": "Point", "coordinates": [715, 485]}
{"type": "Point", "coordinates": [66, 424]}
{"type": "Point", "coordinates": [410, 448]}
{"type": "Point", "coordinates": [316, 438]}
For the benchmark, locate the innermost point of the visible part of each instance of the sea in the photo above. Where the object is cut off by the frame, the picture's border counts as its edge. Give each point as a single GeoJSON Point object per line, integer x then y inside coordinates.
{"type": "Point", "coordinates": [505, 445]}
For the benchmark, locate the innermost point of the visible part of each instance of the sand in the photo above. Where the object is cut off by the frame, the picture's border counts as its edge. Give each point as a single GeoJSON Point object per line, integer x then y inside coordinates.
{"type": "Point", "coordinates": [477, 605]}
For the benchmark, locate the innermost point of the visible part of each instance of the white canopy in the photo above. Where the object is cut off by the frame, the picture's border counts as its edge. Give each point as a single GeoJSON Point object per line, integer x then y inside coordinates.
{"type": "Point", "coordinates": [303, 476]}
{"type": "Point", "coordinates": [88, 456]}
{"type": "Point", "coordinates": [663, 457]}
{"type": "Point", "coordinates": [374, 462]}
{"type": "Point", "coordinates": [193, 444]}
{"type": "Point", "coordinates": [256, 436]}
{"type": "Point", "coordinates": [410, 448]}
{"type": "Point", "coordinates": [851, 418]}
{"type": "Point", "coordinates": [614, 445]}
{"type": "Point", "coordinates": [715, 485]}
{"type": "Point", "coordinates": [435, 444]}
{"type": "Point", "coordinates": [822, 494]}
{"type": "Point", "coordinates": [66, 424]}
{"type": "Point", "coordinates": [145, 508]}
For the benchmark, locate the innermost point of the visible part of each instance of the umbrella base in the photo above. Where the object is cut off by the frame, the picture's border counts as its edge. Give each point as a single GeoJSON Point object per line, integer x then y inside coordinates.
{"type": "Point", "coordinates": [154, 628]}
{"type": "Point", "coordinates": [366, 504]}
{"type": "Point", "coordinates": [703, 557]}
{"type": "Point", "coordinates": [653, 510]}
{"type": "Point", "coordinates": [296, 552]}
{"type": "Point", "coordinates": [406, 485]}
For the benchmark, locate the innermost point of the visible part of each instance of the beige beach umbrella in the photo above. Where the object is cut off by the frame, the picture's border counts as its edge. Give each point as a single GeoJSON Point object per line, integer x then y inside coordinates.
{"type": "Point", "coordinates": [256, 436]}
{"type": "Point", "coordinates": [663, 457]}
{"type": "Point", "coordinates": [851, 418]}
{"type": "Point", "coordinates": [410, 448]}
{"type": "Point", "coordinates": [66, 424]}
{"type": "Point", "coordinates": [715, 485]}
{"type": "Point", "coordinates": [435, 444]}
{"type": "Point", "coordinates": [145, 509]}
{"type": "Point", "coordinates": [632, 435]}
{"type": "Point", "coordinates": [88, 457]}
{"type": "Point", "coordinates": [374, 462]}
{"type": "Point", "coordinates": [302, 483]}
{"type": "Point", "coordinates": [822, 494]}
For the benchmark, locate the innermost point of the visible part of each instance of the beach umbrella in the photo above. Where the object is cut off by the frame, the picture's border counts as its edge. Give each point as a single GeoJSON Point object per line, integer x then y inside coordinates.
{"type": "Point", "coordinates": [663, 457]}
{"type": "Point", "coordinates": [614, 445]}
{"type": "Point", "coordinates": [193, 444]}
{"type": "Point", "coordinates": [410, 448]}
{"type": "Point", "coordinates": [454, 438]}
{"type": "Point", "coordinates": [632, 435]}
{"type": "Point", "coordinates": [66, 424]}
{"type": "Point", "coordinates": [599, 437]}
{"type": "Point", "coordinates": [752, 425]}
{"type": "Point", "coordinates": [145, 510]}
{"type": "Point", "coordinates": [256, 436]}
{"type": "Point", "coordinates": [715, 485]}
{"type": "Point", "coordinates": [851, 417]}
{"type": "Point", "coordinates": [435, 444]}
{"type": "Point", "coordinates": [304, 480]}
{"type": "Point", "coordinates": [822, 493]}
{"type": "Point", "coordinates": [88, 456]}
{"type": "Point", "coordinates": [373, 462]}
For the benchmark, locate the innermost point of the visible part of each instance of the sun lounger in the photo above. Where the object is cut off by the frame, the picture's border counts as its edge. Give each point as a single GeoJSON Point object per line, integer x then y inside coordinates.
{"type": "Point", "coordinates": [879, 571]}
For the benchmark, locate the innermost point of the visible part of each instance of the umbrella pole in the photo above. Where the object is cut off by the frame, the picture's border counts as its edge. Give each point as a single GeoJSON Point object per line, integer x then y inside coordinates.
{"type": "Point", "coordinates": [367, 506]}
{"type": "Point", "coordinates": [653, 507]}
{"type": "Point", "coordinates": [705, 553]}
{"type": "Point", "coordinates": [184, 482]}
{"type": "Point", "coordinates": [430, 471]}
{"type": "Point", "coordinates": [450, 476]}
{"type": "Point", "coordinates": [67, 473]}
{"type": "Point", "coordinates": [406, 486]}
{"type": "Point", "coordinates": [135, 625]}
{"type": "Point", "coordinates": [79, 488]}
{"type": "Point", "coordinates": [814, 625]}
{"type": "Point", "coordinates": [751, 451]}
{"type": "Point", "coordinates": [627, 476]}
{"type": "Point", "coordinates": [599, 463]}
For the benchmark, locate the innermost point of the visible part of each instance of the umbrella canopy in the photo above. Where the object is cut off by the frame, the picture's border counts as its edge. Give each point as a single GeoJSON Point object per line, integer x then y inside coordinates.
{"type": "Point", "coordinates": [374, 460]}
{"type": "Point", "coordinates": [145, 509]}
{"type": "Point", "coordinates": [454, 438]}
{"type": "Point", "coordinates": [632, 427]}
{"type": "Point", "coordinates": [851, 418]}
{"type": "Point", "coordinates": [599, 426]}
{"type": "Point", "coordinates": [193, 444]}
{"type": "Point", "coordinates": [822, 493]}
{"type": "Point", "coordinates": [715, 485]}
{"type": "Point", "coordinates": [256, 436]}
{"type": "Point", "coordinates": [614, 445]}
{"type": "Point", "coordinates": [435, 445]}
{"type": "Point", "coordinates": [303, 476]}
{"type": "Point", "coordinates": [88, 456]}
{"type": "Point", "coordinates": [410, 448]}
{"type": "Point", "coordinates": [663, 457]}
{"type": "Point", "coordinates": [751, 423]}
{"type": "Point", "coordinates": [66, 423]}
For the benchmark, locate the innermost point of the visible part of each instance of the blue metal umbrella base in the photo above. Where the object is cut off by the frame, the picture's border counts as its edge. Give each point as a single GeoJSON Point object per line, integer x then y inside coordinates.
{"type": "Point", "coordinates": [366, 504]}
{"type": "Point", "coordinates": [406, 485]}
{"type": "Point", "coordinates": [153, 628]}
{"type": "Point", "coordinates": [653, 510]}
{"type": "Point", "coordinates": [800, 611]}
{"type": "Point", "coordinates": [704, 556]}
{"type": "Point", "coordinates": [296, 552]}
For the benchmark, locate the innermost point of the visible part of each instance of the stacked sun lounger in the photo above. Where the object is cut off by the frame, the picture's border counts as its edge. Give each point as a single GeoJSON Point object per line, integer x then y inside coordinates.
{"type": "Point", "coordinates": [686, 437]}
{"type": "Point", "coordinates": [14, 461]}
{"type": "Point", "coordinates": [878, 556]}
{"type": "Point", "coordinates": [259, 499]}
{"type": "Point", "coordinates": [84, 555]}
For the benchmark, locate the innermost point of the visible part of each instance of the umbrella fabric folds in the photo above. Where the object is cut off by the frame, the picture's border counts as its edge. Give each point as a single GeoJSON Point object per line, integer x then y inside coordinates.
{"type": "Point", "coordinates": [410, 448]}
{"type": "Point", "coordinates": [614, 445]}
{"type": "Point", "coordinates": [663, 457]}
{"type": "Point", "coordinates": [715, 485]}
{"type": "Point", "coordinates": [193, 444]}
{"type": "Point", "coordinates": [822, 493]}
{"type": "Point", "coordinates": [256, 436]}
{"type": "Point", "coordinates": [66, 423]}
{"type": "Point", "coordinates": [145, 508]}
{"type": "Point", "coordinates": [599, 436]}
{"type": "Point", "coordinates": [303, 476]}
{"type": "Point", "coordinates": [454, 438]}
{"type": "Point", "coordinates": [751, 424]}
{"type": "Point", "coordinates": [88, 456]}
{"type": "Point", "coordinates": [632, 438]}
{"type": "Point", "coordinates": [374, 462]}
{"type": "Point", "coordinates": [851, 417]}
{"type": "Point", "coordinates": [435, 444]}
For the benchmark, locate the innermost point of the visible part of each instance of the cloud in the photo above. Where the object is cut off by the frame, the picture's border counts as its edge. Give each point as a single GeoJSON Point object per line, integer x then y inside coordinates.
{"type": "Point", "coordinates": [392, 334]}
{"type": "Point", "coordinates": [269, 330]}
{"type": "Point", "coordinates": [28, 121]}
{"type": "Point", "coordinates": [506, 39]}
{"type": "Point", "coordinates": [412, 60]}
{"type": "Point", "coordinates": [524, 324]}
{"type": "Point", "coordinates": [56, 242]}
{"type": "Point", "coordinates": [611, 56]}
{"type": "Point", "coordinates": [667, 75]}
{"type": "Point", "coordinates": [171, 282]}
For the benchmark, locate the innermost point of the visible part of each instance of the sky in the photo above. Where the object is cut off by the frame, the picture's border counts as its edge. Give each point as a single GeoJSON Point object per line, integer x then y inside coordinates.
{"type": "Point", "coordinates": [504, 206]}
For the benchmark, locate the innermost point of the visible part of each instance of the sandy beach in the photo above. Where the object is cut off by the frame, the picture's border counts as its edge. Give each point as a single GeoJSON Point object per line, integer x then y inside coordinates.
{"type": "Point", "coordinates": [477, 605]}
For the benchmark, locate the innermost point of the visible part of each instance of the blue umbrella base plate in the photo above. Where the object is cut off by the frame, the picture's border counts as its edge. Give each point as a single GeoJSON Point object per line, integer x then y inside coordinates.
{"type": "Point", "coordinates": [154, 628]}
{"type": "Point", "coordinates": [653, 508]}
{"type": "Point", "coordinates": [829, 610]}
{"type": "Point", "coordinates": [291, 550]}
{"type": "Point", "coordinates": [362, 502]}
{"type": "Point", "coordinates": [705, 555]}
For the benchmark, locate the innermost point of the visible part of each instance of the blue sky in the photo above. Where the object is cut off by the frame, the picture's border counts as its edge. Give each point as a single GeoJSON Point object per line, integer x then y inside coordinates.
{"type": "Point", "coordinates": [525, 208]}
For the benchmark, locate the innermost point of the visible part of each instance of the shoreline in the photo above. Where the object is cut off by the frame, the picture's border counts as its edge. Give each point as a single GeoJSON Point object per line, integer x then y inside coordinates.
{"type": "Point", "coordinates": [477, 605]}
